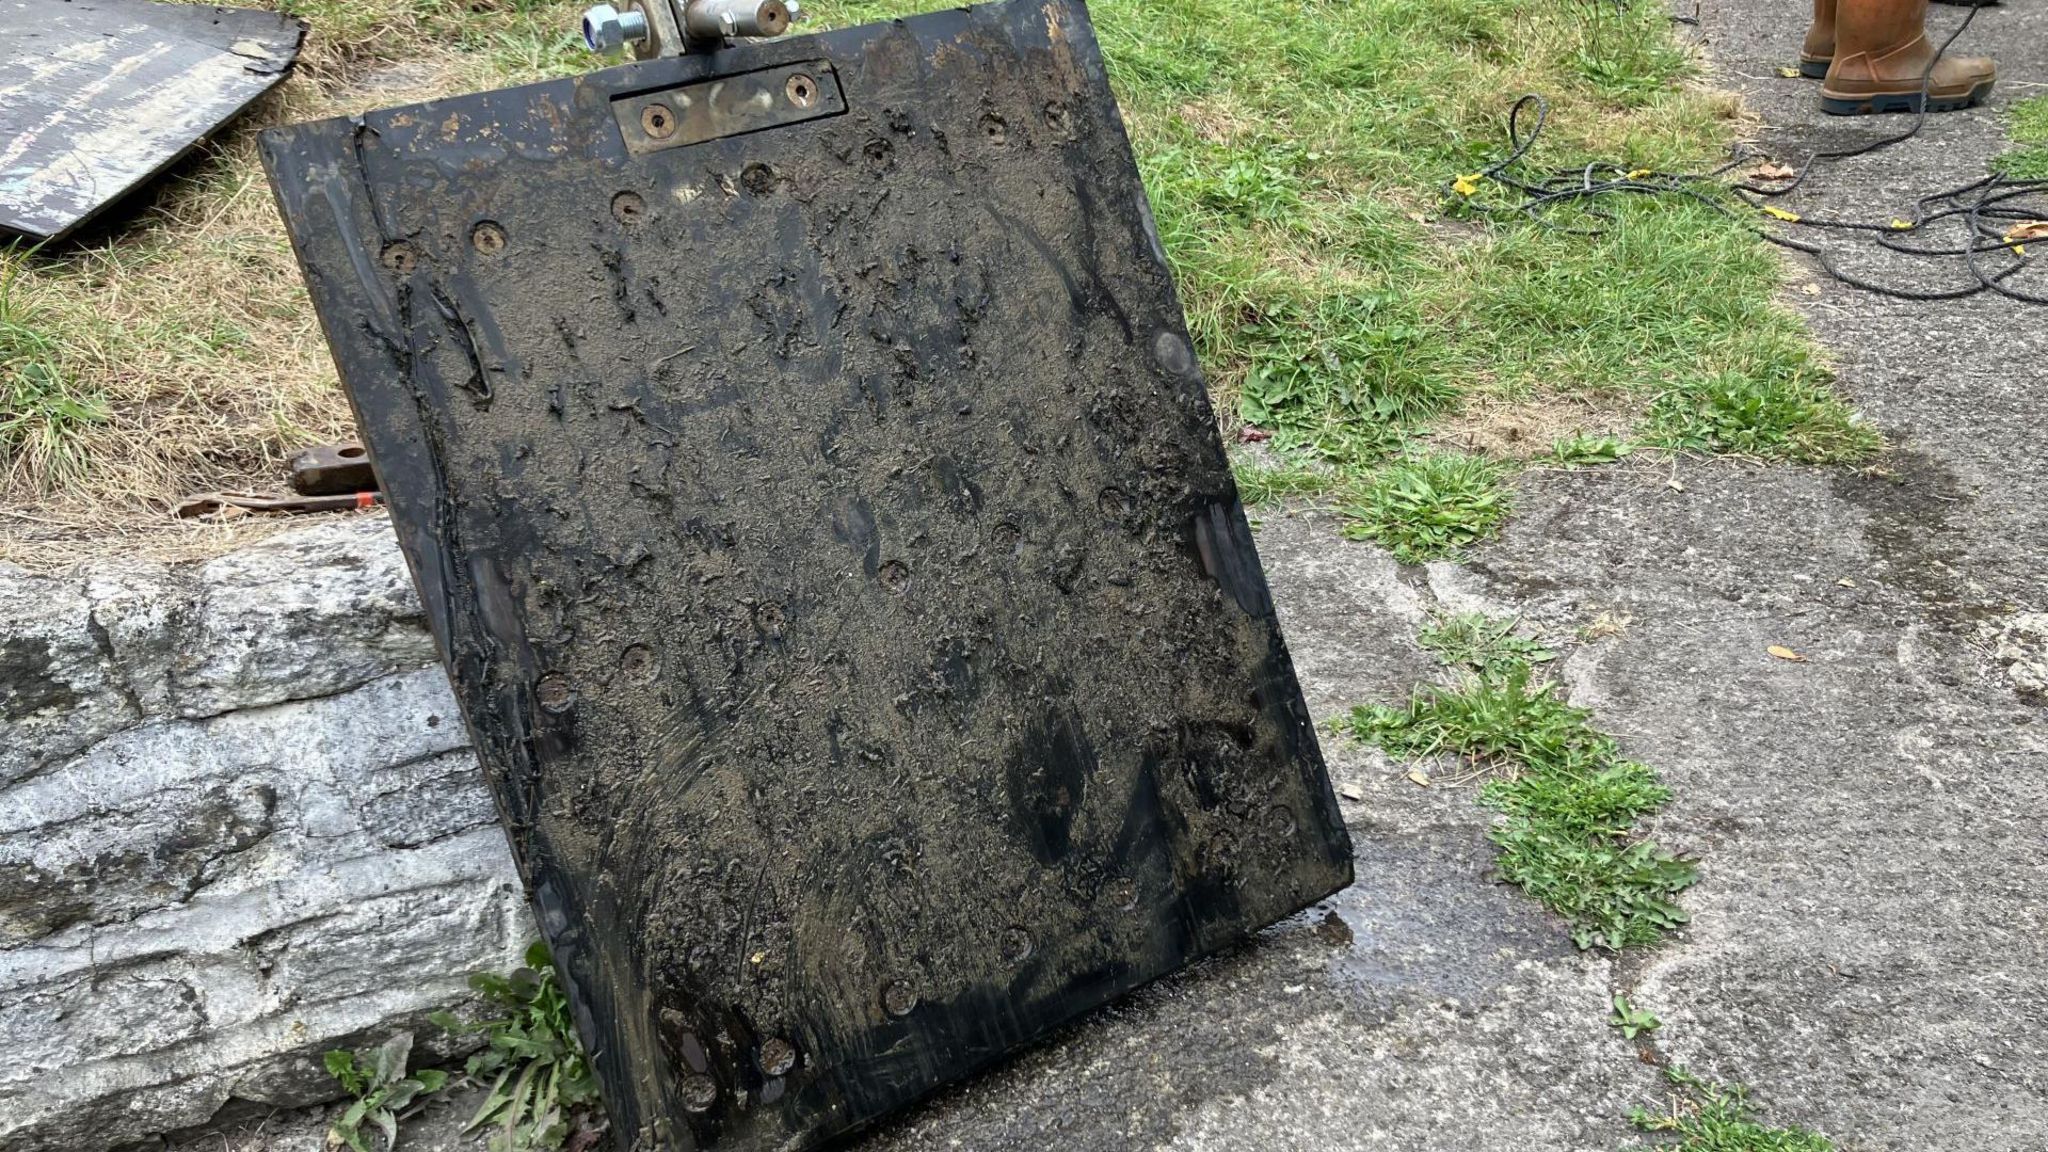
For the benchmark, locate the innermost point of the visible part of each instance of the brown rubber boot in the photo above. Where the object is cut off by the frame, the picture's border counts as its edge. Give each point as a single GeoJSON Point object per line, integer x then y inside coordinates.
{"type": "Point", "coordinates": [1819, 49]}
{"type": "Point", "coordinates": [1881, 58]}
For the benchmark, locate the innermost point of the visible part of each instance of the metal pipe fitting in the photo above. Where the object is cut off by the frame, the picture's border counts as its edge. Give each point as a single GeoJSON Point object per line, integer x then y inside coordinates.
{"type": "Point", "coordinates": [713, 20]}
{"type": "Point", "coordinates": [608, 31]}
{"type": "Point", "coordinates": [671, 27]}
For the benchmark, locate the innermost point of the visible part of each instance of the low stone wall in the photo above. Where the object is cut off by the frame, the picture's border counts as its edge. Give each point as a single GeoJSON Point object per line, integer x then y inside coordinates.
{"type": "Point", "coordinates": [239, 825]}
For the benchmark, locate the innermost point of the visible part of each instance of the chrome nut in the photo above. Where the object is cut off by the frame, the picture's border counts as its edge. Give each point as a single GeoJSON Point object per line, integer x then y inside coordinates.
{"type": "Point", "coordinates": [607, 31]}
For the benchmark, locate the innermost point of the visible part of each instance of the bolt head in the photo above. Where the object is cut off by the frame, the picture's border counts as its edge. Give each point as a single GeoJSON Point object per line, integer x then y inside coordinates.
{"type": "Point", "coordinates": [607, 30]}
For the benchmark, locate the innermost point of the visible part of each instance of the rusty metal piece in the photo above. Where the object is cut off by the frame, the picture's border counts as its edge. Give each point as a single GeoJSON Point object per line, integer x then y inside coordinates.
{"type": "Point", "coordinates": [657, 118]}
{"type": "Point", "coordinates": [332, 470]}
{"type": "Point", "coordinates": [777, 1057]}
{"type": "Point", "coordinates": [208, 504]}
{"type": "Point", "coordinates": [629, 208]}
{"type": "Point", "coordinates": [650, 121]}
{"type": "Point", "coordinates": [664, 30]}
{"type": "Point", "coordinates": [833, 553]}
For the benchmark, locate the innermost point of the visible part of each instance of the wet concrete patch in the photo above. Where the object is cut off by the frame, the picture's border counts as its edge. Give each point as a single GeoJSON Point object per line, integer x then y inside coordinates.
{"type": "Point", "coordinates": [1913, 505]}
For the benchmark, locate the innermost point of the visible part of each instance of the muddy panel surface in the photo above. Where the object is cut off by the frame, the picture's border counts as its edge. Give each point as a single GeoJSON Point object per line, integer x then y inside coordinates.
{"type": "Point", "coordinates": [829, 539]}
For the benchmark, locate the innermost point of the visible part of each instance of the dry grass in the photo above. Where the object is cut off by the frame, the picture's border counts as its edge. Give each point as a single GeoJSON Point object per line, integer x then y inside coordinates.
{"type": "Point", "coordinates": [1532, 428]}
{"type": "Point", "coordinates": [194, 330]}
{"type": "Point", "coordinates": [175, 351]}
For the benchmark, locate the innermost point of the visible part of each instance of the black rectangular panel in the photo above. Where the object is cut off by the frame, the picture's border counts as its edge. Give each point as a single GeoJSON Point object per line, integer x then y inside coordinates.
{"type": "Point", "coordinates": [827, 532]}
{"type": "Point", "coordinates": [97, 96]}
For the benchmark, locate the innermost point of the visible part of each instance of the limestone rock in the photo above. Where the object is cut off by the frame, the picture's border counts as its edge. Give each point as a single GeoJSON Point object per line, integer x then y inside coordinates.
{"type": "Point", "coordinates": [239, 824]}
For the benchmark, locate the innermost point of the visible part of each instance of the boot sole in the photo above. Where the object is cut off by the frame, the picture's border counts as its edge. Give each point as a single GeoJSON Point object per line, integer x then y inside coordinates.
{"type": "Point", "coordinates": [1878, 102]}
{"type": "Point", "coordinates": [1813, 68]}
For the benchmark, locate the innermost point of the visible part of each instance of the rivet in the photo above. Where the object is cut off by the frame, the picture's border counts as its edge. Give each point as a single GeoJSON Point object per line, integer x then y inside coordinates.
{"type": "Point", "coordinates": [801, 90]}
{"type": "Point", "coordinates": [487, 238]}
{"type": "Point", "coordinates": [1172, 353]}
{"type": "Point", "coordinates": [554, 692]}
{"type": "Point", "coordinates": [628, 208]}
{"type": "Point", "coordinates": [758, 179]}
{"type": "Point", "coordinates": [699, 1092]}
{"type": "Point", "coordinates": [1016, 945]}
{"type": "Point", "coordinates": [637, 663]}
{"type": "Point", "coordinates": [777, 1056]}
{"type": "Point", "coordinates": [398, 257]}
{"type": "Point", "coordinates": [1123, 895]}
{"type": "Point", "coordinates": [898, 998]}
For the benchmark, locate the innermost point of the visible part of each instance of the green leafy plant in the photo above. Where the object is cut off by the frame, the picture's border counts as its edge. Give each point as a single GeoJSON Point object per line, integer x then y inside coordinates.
{"type": "Point", "coordinates": [542, 1087]}
{"type": "Point", "coordinates": [1254, 181]}
{"type": "Point", "coordinates": [1632, 1021]}
{"type": "Point", "coordinates": [1581, 450]}
{"type": "Point", "coordinates": [1568, 799]}
{"type": "Point", "coordinates": [1428, 507]}
{"type": "Point", "coordinates": [1711, 1118]}
{"type": "Point", "coordinates": [1481, 643]}
{"type": "Point", "coordinates": [1788, 417]}
{"type": "Point", "coordinates": [383, 1091]}
{"type": "Point", "coordinates": [1340, 369]}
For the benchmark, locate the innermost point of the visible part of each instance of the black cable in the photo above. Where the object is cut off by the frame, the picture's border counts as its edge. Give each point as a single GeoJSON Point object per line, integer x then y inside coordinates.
{"type": "Point", "coordinates": [1980, 205]}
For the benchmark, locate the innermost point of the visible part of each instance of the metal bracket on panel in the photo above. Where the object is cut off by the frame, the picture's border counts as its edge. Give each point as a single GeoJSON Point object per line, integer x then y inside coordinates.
{"type": "Point", "coordinates": [710, 109]}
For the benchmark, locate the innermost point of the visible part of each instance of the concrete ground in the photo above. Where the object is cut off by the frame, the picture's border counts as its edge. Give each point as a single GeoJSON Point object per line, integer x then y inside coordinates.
{"type": "Point", "coordinates": [1869, 945]}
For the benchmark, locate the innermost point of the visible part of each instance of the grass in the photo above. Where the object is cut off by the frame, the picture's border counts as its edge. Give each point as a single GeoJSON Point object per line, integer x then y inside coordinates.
{"type": "Point", "coordinates": [1476, 642]}
{"type": "Point", "coordinates": [508, 40]}
{"type": "Point", "coordinates": [42, 410]}
{"type": "Point", "coordinates": [1258, 483]}
{"type": "Point", "coordinates": [177, 352]}
{"type": "Point", "coordinates": [1295, 156]}
{"type": "Point", "coordinates": [2029, 129]}
{"type": "Point", "coordinates": [1568, 799]}
{"type": "Point", "coordinates": [1428, 506]}
{"type": "Point", "coordinates": [1794, 418]}
{"type": "Point", "coordinates": [1704, 1117]}
{"type": "Point", "coordinates": [1296, 168]}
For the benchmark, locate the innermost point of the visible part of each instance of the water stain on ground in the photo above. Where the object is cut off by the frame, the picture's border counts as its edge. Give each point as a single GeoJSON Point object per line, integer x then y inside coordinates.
{"type": "Point", "coordinates": [1913, 507]}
